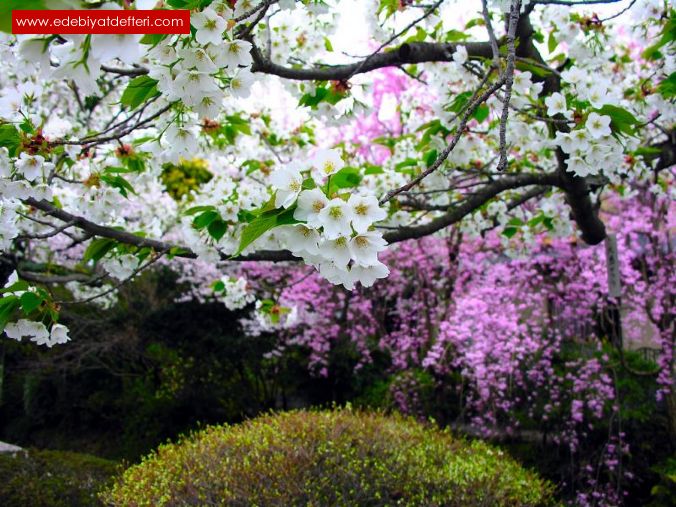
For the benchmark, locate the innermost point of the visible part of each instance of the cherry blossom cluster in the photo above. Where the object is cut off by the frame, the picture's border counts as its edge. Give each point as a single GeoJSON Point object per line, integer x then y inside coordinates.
{"type": "Point", "coordinates": [333, 234]}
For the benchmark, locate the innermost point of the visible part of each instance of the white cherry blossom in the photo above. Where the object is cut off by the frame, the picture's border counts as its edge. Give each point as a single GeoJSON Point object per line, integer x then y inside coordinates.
{"type": "Point", "coordinates": [33, 167]}
{"type": "Point", "coordinates": [337, 251]}
{"type": "Point", "coordinates": [598, 125]}
{"type": "Point", "coordinates": [240, 84]}
{"type": "Point", "coordinates": [288, 183]}
{"type": "Point", "coordinates": [310, 204]}
{"type": "Point", "coordinates": [325, 163]}
{"type": "Point", "coordinates": [335, 219]}
{"type": "Point", "coordinates": [234, 54]}
{"type": "Point", "coordinates": [364, 248]}
{"type": "Point", "coordinates": [209, 25]}
{"type": "Point", "coordinates": [365, 211]}
{"type": "Point", "coordinates": [302, 240]}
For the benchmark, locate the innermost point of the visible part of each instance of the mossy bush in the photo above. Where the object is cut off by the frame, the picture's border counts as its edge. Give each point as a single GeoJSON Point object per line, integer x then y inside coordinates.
{"type": "Point", "coordinates": [327, 458]}
{"type": "Point", "coordinates": [53, 479]}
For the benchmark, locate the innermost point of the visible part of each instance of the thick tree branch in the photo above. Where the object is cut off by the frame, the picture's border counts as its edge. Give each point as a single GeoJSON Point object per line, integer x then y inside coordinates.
{"type": "Point", "coordinates": [454, 215]}
{"type": "Point", "coordinates": [141, 242]}
{"type": "Point", "coordinates": [577, 190]}
{"type": "Point", "coordinates": [31, 276]}
{"type": "Point", "coordinates": [408, 53]}
{"type": "Point", "coordinates": [473, 202]}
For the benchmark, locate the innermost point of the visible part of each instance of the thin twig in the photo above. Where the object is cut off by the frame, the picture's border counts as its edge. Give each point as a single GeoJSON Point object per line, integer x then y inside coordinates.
{"type": "Point", "coordinates": [476, 102]}
{"type": "Point", "coordinates": [509, 81]}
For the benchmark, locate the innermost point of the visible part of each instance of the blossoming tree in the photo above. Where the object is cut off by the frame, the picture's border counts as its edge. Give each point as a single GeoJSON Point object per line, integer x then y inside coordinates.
{"type": "Point", "coordinates": [522, 102]}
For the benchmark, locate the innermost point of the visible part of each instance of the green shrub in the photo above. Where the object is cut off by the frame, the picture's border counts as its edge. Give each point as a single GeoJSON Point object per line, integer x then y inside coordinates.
{"type": "Point", "coordinates": [664, 492]}
{"type": "Point", "coordinates": [52, 479]}
{"type": "Point", "coordinates": [180, 179]}
{"type": "Point", "coordinates": [327, 458]}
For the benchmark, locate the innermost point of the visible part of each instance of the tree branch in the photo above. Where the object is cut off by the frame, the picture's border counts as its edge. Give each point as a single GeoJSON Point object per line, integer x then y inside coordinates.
{"type": "Point", "coordinates": [141, 242]}
{"type": "Point", "coordinates": [477, 199]}
{"type": "Point", "coordinates": [407, 53]}
{"type": "Point", "coordinates": [475, 102]}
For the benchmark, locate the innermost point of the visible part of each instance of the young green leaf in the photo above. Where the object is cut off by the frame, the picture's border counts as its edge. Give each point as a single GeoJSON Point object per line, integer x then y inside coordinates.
{"type": "Point", "coordinates": [98, 248]}
{"type": "Point", "coordinates": [262, 224]}
{"type": "Point", "coordinates": [139, 90]}
{"type": "Point", "coordinates": [217, 229]}
{"type": "Point", "coordinates": [10, 138]}
{"type": "Point", "coordinates": [30, 302]}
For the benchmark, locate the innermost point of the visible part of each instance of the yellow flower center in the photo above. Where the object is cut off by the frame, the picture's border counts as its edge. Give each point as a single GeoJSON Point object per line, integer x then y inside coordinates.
{"type": "Point", "coordinates": [335, 212]}
{"type": "Point", "coordinates": [361, 241]}
{"type": "Point", "coordinates": [361, 209]}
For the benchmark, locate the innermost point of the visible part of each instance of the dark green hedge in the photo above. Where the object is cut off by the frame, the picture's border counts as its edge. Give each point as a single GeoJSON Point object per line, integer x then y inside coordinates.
{"type": "Point", "coordinates": [53, 479]}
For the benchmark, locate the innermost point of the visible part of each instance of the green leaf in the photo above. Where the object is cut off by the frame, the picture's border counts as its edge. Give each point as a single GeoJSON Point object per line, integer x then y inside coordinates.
{"type": "Point", "coordinates": [197, 209]}
{"type": "Point", "coordinates": [237, 125]}
{"type": "Point", "coordinates": [117, 170]}
{"type": "Point", "coordinates": [551, 42]}
{"type": "Point", "coordinates": [327, 44]}
{"type": "Point", "coordinates": [455, 36]}
{"type": "Point", "coordinates": [347, 177]}
{"type": "Point", "coordinates": [311, 100]}
{"type": "Point", "coordinates": [510, 231]}
{"type": "Point", "coordinates": [475, 22]}
{"type": "Point", "coordinates": [409, 162]}
{"type": "Point", "coordinates": [389, 7]}
{"type": "Point", "coordinates": [176, 250]}
{"type": "Point", "coordinates": [10, 138]}
{"type": "Point", "coordinates": [668, 36]}
{"type": "Point", "coordinates": [430, 157]}
{"type": "Point", "coordinates": [204, 220]}
{"type": "Point", "coordinates": [481, 113]}
{"type": "Point", "coordinates": [217, 229]}
{"type": "Point", "coordinates": [29, 302]}
{"type": "Point", "coordinates": [8, 305]}
{"type": "Point", "coordinates": [621, 120]}
{"type": "Point", "coordinates": [459, 102]}
{"type": "Point", "coordinates": [647, 151]}
{"type": "Point", "coordinates": [373, 169]}
{"type": "Point", "coordinates": [139, 90]}
{"type": "Point", "coordinates": [18, 286]}
{"type": "Point", "coordinates": [534, 69]}
{"type": "Point", "coordinates": [262, 224]}
{"type": "Point", "coordinates": [27, 126]}
{"type": "Point", "coordinates": [98, 248]}
{"type": "Point", "coordinates": [7, 6]}
{"type": "Point", "coordinates": [118, 182]}
{"type": "Point", "coordinates": [189, 4]}
{"type": "Point", "coordinates": [536, 220]}
{"type": "Point", "coordinates": [667, 87]}
{"type": "Point", "coordinates": [218, 286]}
{"type": "Point", "coordinates": [420, 35]}
{"type": "Point", "coordinates": [153, 39]}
